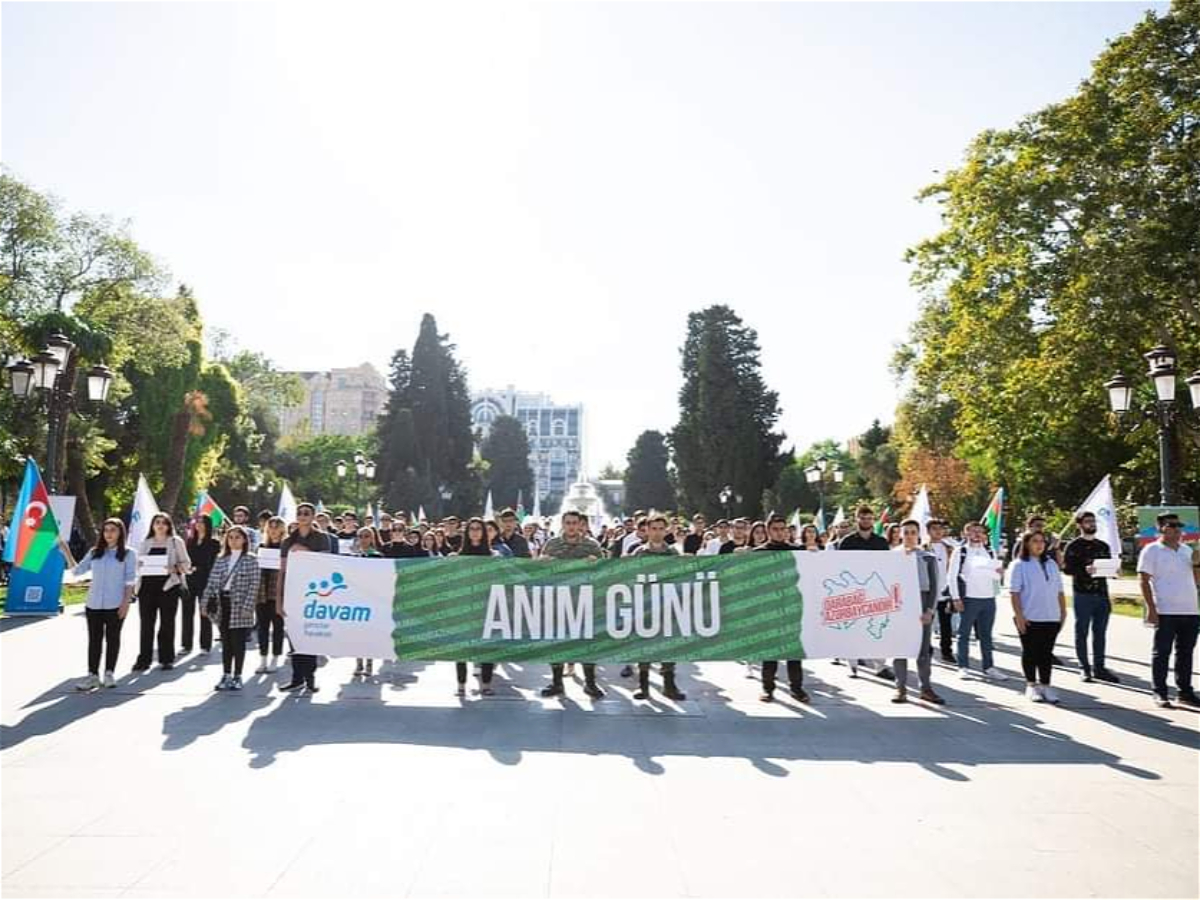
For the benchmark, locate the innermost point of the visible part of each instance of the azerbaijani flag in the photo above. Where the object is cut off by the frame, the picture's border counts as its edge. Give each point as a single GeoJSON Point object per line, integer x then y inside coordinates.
{"type": "Point", "coordinates": [993, 518]}
{"type": "Point", "coordinates": [207, 506]}
{"type": "Point", "coordinates": [884, 519]}
{"type": "Point", "coordinates": [34, 531]}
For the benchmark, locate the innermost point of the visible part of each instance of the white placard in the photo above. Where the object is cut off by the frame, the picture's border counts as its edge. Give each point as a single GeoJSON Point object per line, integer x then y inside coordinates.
{"type": "Point", "coordinates": [345, 546]}
{"type": "Point", "coordinates": [1107, 568]}
{"type": "Point", "coordinates": [155, 564]}
{"type": "Point", "coordinates": [268, 557]}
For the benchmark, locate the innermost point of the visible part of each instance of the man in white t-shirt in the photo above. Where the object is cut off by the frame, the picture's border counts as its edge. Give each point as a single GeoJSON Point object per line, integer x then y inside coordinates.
{"type": "Point", "coordinates": [1169, 588]}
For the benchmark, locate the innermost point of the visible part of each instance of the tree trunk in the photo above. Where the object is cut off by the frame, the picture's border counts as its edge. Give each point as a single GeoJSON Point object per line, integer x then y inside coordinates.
{"type": "Point", "coordinates": [176, 459]}
{"type": "Point", "coordinates": [77, 484]}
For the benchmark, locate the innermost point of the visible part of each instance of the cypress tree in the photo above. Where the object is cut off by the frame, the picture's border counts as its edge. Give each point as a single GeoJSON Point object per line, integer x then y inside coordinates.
{"type": "Point", "coordinates": [507, 451]}
{"type": "Point", "coordinates": [647, 481]}
{"type": "Point", "coordinates": [726, 416]}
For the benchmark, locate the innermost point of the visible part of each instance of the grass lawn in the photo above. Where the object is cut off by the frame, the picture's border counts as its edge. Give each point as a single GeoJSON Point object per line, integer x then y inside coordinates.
{"type": "Point", "coordinates": [71, 594]}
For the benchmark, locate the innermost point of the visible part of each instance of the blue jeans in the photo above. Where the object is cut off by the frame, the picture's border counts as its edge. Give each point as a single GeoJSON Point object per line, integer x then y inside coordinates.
{"type": "Point", "coordinates": [1091, 610]}
{"type": "Point", "coordinates": [983, 612]}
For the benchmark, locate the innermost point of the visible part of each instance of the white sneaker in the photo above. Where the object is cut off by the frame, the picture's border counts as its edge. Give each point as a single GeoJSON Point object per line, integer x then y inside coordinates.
{"type": "Point", "coordinates": [1033, 693]}
{"type": "Point", "coordinates": [273, 665]}
{"type": "Point", "coordinates": [109, 681]}
{"type": "Point", "coordinates": [964, 673]}
{"type": "Point", "coordinates": [262, 666]}
{"type": "Point", "coordinates": [1050, 694]}
{"type": "Point", "coordinates": [87, 684]}
{"type": "Point", "coordinates": [995, 674]}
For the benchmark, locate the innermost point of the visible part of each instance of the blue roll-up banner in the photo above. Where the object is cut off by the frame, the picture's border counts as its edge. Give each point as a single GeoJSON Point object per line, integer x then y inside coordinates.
{"type": "Point", "coordinates": [40, 593]}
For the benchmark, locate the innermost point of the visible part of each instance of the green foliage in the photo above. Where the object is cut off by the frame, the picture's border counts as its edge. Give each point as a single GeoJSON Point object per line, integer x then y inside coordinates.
{"type": "Point", "coordinates": [1070, 245]}
{"type": "Point", "coordinates": [647, 480]}
{"type": "Point", "coordinates": [506, 450]}
{"type": "Point", "coordinates": [726, 415]}
{"type": "Point", "coordinates": [310, 467]}
{"type": "Point", "coordinates": [426, 441]}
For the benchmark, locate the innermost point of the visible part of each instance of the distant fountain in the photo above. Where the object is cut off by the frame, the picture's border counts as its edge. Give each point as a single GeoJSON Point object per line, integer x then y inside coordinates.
{"type": "Point", "coordinates": [583, 498]}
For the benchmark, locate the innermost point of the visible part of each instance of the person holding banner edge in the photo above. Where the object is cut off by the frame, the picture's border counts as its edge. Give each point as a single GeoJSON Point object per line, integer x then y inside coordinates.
{"type": "Point", "coordinates": [307, 539]}
{"type": "Point", "coordinates": [927, 579]}
{"type": "Point", "coordinates": [475, 543]}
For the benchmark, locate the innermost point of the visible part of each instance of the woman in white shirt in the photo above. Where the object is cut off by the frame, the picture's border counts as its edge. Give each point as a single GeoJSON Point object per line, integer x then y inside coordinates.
{"type": "Point", "coordinates": [974, 578]}
{"type": "Point", "coordinates": [114, 573]}
{"type": "Point", "coordinates": [1039, 606]}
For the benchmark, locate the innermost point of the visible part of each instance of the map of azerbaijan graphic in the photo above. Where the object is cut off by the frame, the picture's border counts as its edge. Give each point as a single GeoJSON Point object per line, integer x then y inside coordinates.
{"type": "Point", "coordinates": [849, 601]}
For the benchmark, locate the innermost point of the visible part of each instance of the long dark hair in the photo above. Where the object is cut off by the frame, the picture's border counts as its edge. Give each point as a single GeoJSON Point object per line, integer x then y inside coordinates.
{"type": "Point", "coordinates": [240, 529]}
{"type": "Point", "coordinates": [102, 545]}
{"type": "Point", "coordinates": [206, 521]}
{"type": "Point", "coordinates": [484, 547]}
{"type": "Point", "coordinates": [820, 541]}
{"type": "Point", "coordinates": [766, 538]}
{"type": "Point", "coordinates": [164, 517]}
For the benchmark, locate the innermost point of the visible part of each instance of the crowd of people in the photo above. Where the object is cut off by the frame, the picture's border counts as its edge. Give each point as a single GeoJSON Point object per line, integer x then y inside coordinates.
{"type": "Point", "coordinates": [228, 583]}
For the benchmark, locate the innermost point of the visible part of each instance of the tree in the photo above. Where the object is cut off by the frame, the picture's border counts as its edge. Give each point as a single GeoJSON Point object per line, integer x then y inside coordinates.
{"type": "Point", "coordinates": [647, 481]}
{"type": "Point", "coordinates": [506, 450]}
{"type": "Point", "coordinates": [956, 493]}
{"type": "Point", "coordinates": [310, 468]}
{"type": "Point", "coordinates": [432, 447]}
{"type": "Point", "coordinates": [878, 461]}
{"type": "Point", "coordinates": [1070, 245]}
{"type": "Point", "coordinates": [726, 415]}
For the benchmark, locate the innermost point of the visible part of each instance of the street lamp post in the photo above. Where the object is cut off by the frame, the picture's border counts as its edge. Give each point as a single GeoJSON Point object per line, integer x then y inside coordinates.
{"type": "Point", "coordinates": [1164, 410]}
{"type": "Point", "coordinates": [362, 466]}
{"type": "Point", "coordinates": [727, 494]}
{"type": "Point", "coordinates": [45, 376]}
{"type": "Point", "coordinates": [815, 474]}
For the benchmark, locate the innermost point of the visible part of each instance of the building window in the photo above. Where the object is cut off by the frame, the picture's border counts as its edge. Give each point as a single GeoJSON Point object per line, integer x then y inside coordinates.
{"type": "Point", "coordinates": [559, 428]}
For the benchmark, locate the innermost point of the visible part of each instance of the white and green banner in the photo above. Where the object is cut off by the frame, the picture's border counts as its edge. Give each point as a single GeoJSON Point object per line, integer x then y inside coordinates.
{"type": "Point", "coordinates": [745, 606]}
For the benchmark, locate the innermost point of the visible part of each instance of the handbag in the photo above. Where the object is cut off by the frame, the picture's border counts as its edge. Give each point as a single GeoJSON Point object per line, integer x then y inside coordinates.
{"type": "Point", "coordinates": [213, 606]}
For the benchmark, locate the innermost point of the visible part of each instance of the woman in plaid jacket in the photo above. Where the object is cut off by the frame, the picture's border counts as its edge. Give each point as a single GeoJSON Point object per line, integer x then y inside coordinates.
{"type": "Point", "coordinates": [229, 600]}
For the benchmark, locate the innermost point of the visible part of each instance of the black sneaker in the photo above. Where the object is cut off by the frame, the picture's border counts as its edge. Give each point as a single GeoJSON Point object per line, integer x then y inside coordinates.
{"type": "Point", "coordinates": [553, 690]}
{"type": "Point", "coordinates": [886, 674]}
{"type": "Point", "coordinates": [766, 696]}
{"type": "Point", "coordinates": [291, 686]}
{"type": "Point", "coordinates": [948, 658]}
{"type": "Point", "coordinates": [1085, 675]}
{"type": "Point", "coordinates": [1162, 701]}
{"type": "Point", "coordinates": [1106, 675]}
{"type": "Point", "coordinates": [1189, 699]}
{"type": "Point", "coordinates": [312, 688]}
{"type": "Point", "coordinates": [626, 671]}
{"type": "Point", "coordinates": [593, 690]}
{"type": "Point", "coordinates": [799, 694]}
{"type": "Point", "coordinates": [1055, 661]}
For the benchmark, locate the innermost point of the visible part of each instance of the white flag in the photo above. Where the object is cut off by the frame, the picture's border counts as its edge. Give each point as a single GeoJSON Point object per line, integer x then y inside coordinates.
{"type": "Point", "coordinates": [144, 509]}
{"type": "Point", "coordinates": [487, 508]}
{"type": "Point", "coordinates": [420, 513]}
{"type": "Point", "coordinates": [795, 522]}
{"type": "Point", "coordinates": [922, 512]}
{"type": "Point", "coordinates": [369, 513]}
{"type": "Point", "coordinates": [1100, 504]}
{"type": "Point", "coordinates": [287, 505]}
{"type": "Point", "coordinates": [537, 507]}
{"type": "Point", "coordinates": [838, 518]}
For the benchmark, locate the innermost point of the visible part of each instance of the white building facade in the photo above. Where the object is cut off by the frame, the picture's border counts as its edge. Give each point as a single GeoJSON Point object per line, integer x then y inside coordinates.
{"type": "Point", "coordinates": [555, 434]}
{"type": "Point", "coordinates": [340, 401]}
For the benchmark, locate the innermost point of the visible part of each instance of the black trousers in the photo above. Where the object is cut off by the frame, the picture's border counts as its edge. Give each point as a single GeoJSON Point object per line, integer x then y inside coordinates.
{"type": "Point", "coordinates": [156, 606]}
{"type": "Point", "coordinates": [1037, 650]}
{"type": "Point", "coordinates": [233, 643]}
{"type": "Point", "coordinates": [795, 674]}
{"type": "Point", "coordinates": [304, 668]}
{"type": "Point", "coordinates": [104, 627]}
{"type": "Point", "coordinates": [485, 672]}
{"type": "Point", "coordinates": [589, 672]}
{"type": "Point", "coordinates": [266, 617]}
{"type": "Point", "coordinates": [667, 668]}
{"type": "Point", "coordinates": [1180, 632]}
{"type": "Point", "coordinates": [945, 611]}
{"type": "Point", "coordinates": [187, 625]}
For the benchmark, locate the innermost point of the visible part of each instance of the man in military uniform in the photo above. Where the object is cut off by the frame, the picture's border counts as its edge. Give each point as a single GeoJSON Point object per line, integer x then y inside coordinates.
{"type": "Point", "coordinates": [572, 544]}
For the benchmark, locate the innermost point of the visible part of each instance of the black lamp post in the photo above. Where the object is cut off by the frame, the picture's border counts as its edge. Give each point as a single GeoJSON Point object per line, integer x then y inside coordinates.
{"type": "Point", "coordinates": [1164, 410]}
{"type": "Point", "coordinates": [362, 467]}
{"type": "Point", "coordinates": [44, 376]}
{"type": "Point", "coordinates": [816, 475]}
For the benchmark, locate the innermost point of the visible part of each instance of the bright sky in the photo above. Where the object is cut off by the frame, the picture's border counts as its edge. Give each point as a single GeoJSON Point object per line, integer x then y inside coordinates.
{"type": "Point", "coordinates": [559, 184]}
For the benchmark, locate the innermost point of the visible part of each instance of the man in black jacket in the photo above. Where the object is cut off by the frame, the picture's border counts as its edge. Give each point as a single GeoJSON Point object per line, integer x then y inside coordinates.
{"type": "Point", "coordinates": [865, 538]}
{"type": "Point", "coordinates": [511, 537]}
{"type": "Point", "coordinates": [777, 540]}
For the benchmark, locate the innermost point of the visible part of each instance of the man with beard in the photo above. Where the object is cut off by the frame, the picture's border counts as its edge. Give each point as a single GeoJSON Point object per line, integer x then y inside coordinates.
{"type": "Point", "coordinates": [1089, 596]}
